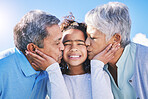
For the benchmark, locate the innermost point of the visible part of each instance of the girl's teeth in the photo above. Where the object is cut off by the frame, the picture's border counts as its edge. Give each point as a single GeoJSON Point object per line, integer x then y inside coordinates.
{"type": "Point", "coordinates": [74, 56]}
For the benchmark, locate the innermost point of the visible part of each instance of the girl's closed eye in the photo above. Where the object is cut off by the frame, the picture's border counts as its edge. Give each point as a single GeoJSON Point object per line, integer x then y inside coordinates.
{"type": "Point", "coordinates": [65, 44]}
{"type": "Point", "coordinates": [81, 43]}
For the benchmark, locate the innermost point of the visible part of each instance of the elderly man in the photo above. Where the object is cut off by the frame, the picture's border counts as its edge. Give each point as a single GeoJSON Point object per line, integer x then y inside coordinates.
{"type": "Point", "coordinates": [128, 70]}
{"type": "Point", "coordinates": [19, 78]}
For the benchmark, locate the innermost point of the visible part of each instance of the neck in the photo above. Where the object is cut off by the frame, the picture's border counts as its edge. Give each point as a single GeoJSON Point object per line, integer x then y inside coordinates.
{"type": "Point", "coordinates": [76, 70]}
{"type": "Point", "coordinates": [116, 57]}
{"type": "Point", "coordinates": [112, 65]}
{"type": "Point", "coordinates": [30, 61]}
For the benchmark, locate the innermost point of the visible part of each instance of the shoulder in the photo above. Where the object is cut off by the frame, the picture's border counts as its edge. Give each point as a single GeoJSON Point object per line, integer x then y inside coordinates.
{"type": "Point", "coordinates": [7, 56]}
{"type": "Point", "coordinates": [7, 60]}
{"type": "Point", "coordinates": [7, 53]}
{"type": "Point", "coordinates": [141, 58]}
{"type": "Point", "coordinates": [142, 51]}
{"type": "Point", "coordinates": [141, 47]}
{"type": "Point", "coordinates": [75, 77]}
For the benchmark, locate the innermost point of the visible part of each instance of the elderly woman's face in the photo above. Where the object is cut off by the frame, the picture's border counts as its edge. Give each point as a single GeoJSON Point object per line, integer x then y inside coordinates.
{"type": "Point", "coordinates": [95, 42]}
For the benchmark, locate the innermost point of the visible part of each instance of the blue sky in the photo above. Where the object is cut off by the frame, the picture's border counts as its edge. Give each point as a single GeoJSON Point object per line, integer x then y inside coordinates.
{"type": "Point", "coordinates": [11, 11]}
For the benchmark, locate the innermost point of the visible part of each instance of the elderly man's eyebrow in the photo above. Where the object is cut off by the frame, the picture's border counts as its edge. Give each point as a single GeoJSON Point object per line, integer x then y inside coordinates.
{"type": "Point", "coordinates": [73, 41]}
{"type": "Point", "coordinates": [58, 39]}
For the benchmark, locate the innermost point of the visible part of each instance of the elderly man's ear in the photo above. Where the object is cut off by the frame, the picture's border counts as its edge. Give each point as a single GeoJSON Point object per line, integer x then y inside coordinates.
{"type": "Point", "coordinates": [31, 47]}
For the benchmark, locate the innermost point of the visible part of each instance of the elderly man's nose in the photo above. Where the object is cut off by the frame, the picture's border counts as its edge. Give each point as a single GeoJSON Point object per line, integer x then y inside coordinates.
{"type": "Point", "coordinates": [61, 47]}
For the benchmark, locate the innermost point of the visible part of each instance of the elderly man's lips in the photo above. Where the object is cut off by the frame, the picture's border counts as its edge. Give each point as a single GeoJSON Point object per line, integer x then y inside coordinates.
{"type": "Point", "coordinates": [88, 51]}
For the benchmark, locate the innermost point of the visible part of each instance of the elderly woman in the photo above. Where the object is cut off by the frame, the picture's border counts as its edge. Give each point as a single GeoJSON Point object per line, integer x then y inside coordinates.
{"type": "Point", "coordinates": [128, 70]}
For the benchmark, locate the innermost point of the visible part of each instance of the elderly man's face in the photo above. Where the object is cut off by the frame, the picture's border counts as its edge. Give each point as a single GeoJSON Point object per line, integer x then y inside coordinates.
{"type": "Point", "coordinates": [53, 45]}
{"type": "Point", "coordinates": [95, 42]}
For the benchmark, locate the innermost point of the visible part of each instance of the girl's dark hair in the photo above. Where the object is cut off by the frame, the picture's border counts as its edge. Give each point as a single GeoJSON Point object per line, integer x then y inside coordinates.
{"type": "Point", "coordinates": [67, 24]}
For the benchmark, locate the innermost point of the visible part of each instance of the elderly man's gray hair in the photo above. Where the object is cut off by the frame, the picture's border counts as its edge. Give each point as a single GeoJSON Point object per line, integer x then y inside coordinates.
{"type": "Point", "coordinates": [32, 29]}
{"type": "Point", "coordinates": [110, 19]}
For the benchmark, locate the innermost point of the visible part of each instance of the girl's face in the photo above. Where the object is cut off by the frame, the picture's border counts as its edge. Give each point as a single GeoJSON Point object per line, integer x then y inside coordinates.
{"type": "Point", "coordinates": [75, 52]}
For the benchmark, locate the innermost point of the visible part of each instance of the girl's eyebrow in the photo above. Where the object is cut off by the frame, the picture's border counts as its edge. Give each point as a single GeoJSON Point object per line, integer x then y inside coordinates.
{"type": "Point", "coordinates": [73, 41]}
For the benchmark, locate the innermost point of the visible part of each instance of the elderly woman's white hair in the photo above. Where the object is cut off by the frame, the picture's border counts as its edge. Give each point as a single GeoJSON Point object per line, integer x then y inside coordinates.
{"type": "Point", "coordinates": [110, 19]}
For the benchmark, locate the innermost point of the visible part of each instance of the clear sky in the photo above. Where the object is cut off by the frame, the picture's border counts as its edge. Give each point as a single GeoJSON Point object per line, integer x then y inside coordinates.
{"type": "Point", "coordinates": [11, 11]}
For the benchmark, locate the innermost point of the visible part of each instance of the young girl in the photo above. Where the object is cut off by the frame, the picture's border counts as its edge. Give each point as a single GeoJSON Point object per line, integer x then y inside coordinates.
{"type": "Point", "coordinates": [75, 66]}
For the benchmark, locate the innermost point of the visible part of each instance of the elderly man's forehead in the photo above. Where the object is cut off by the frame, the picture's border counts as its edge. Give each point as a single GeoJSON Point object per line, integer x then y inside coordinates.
{"type": "Point", "coordinates": [54, 32]}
